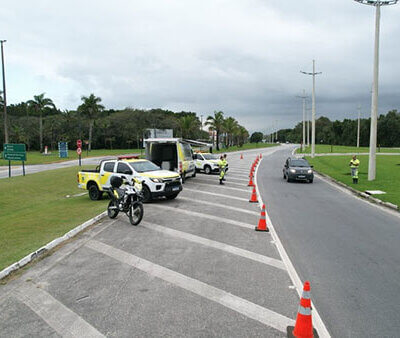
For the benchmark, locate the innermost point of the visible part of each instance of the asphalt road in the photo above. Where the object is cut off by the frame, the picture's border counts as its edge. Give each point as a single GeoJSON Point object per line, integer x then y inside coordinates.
{"type": "Point", "coordinates": [35, 168]}
{"type": "Point", "coordinates": [193, 267]}
{"type": "Point", "coordinates": [347, 248]}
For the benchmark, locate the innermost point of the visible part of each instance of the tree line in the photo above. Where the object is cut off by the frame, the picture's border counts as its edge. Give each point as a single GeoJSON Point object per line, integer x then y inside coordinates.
{"type": "Point", "coordinates": [38, 122]}
{"type": "Point", "coordinates": [345, 132]}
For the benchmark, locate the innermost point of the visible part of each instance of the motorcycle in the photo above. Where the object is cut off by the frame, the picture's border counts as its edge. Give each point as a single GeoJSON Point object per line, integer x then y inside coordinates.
{"type": "Point", "coordinates": [127, 199]}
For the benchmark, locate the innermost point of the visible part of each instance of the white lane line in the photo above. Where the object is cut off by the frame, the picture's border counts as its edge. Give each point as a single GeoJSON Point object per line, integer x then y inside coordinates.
{"type": "Point", "coordinates": [228, 176]}
{"type": "Point", "coordinates": [218, 219]}
{"type": "Point", "coordinates": [215, 194]}
{"type": "Point", "coordinates": [235, 303]}
{"type": "Point", "coordinates": [224, 206]}
{"type": "Point", "coordinates": [217, 185]}
{"type": "Point", "coordinates": [227, 182]}
{"type": "Point", "coordinates": [64, 321]}
{"type": "Point", "coordinates": [317, 320]}
{"type": "Point", "coordinates": [217, 245]}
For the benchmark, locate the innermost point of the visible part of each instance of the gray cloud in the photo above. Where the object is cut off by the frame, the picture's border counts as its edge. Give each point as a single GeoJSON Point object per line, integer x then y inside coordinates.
{"type": "Point", "coordinates": [242, 57]}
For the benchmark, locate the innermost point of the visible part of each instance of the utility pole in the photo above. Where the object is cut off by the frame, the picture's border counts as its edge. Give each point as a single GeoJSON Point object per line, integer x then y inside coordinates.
{"type": "Point", "coordinates": [308, 126]}
{"type": "Point", "coordinates": [374, 99]}
{"type": "Point", "coordinates": [313, 110]}
{"type": "Point", "coordinates": [201, 117]}
{"type": "Point", "coordinates": [304, 118]}
{"type": "Point", "coordinates": [276, 125]}
{"type": "Point", "coordinates": [4, 94]}
{"type": "Point", "coordinates": [358, 126]}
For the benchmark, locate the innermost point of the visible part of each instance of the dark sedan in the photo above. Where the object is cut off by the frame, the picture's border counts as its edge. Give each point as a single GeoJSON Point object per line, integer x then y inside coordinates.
{"type": "Point", "coordinates": [298, 169]}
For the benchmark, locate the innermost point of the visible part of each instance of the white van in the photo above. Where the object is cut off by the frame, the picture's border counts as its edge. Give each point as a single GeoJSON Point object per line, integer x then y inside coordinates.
{"type": "Point", "coordinates": [171, 154]}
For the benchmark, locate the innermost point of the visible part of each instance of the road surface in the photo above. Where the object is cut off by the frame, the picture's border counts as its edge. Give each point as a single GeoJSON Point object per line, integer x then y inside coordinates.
{"type": "Point", "coordinates": [194, 267]}
{"type": "Point", "coordinates": [347, 248]}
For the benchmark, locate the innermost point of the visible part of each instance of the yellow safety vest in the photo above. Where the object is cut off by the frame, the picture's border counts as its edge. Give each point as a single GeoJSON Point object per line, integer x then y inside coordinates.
{"type": "Point", "coordinates": [354, 163]}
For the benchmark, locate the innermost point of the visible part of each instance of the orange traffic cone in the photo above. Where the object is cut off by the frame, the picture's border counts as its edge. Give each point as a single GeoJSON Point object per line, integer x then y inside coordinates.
{"type": "Point", "coordinates": [303, 327]}
{"type": "Point", "coordinates": [251, 184]}
{"type": "Point", "coordinates": [260, 155]}
{"type": "Point", "coordinates": [262, 223]}
{"type": "Point", "coordinates": [241, 156]}
{"type": "Point", "coordinates": [253, 198]}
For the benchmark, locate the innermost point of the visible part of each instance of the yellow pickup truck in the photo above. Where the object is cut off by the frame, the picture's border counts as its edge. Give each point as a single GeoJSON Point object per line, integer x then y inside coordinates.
{"type": "Point", "coordinates": [156, 182]}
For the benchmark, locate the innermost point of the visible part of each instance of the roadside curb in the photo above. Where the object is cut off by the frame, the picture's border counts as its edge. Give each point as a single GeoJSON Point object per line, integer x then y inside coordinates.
{"type": "Point", "coordinates": [358, 193]}
{"type": "Point", "coordinates": [39, 252]}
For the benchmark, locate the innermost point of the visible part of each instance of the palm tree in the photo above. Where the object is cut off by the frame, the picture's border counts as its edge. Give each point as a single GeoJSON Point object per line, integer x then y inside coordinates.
{"type": "Point", "coordinates": [90, 107]}
{"type": "Point", "coordinates": [230, 125]}
{"type": "Point", "coordinates": [216, 123]}
{"type": "Point", "coordinates": [188, 125]}
{"type": "Point", "coordinates": [39, 104]}
{"type": "Point", "coordinates": [242, 134]}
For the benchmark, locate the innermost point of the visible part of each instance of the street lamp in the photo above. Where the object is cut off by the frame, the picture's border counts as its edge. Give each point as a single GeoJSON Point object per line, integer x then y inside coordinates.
{"type": "Point", "coordinates": [374, 100]}
{"type": "Point", "coordinates": [304, 118]}
{"type": "Point", "coordinates": [4, 94]}
{"type": "Point", "coordinates": [313, 110]}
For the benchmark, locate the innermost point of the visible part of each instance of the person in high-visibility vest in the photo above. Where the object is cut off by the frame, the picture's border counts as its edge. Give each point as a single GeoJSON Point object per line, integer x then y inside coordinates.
{"type": "Point", "coordinates": [222, 164]}
{"type": "Point", "coordinates": [354, 165]}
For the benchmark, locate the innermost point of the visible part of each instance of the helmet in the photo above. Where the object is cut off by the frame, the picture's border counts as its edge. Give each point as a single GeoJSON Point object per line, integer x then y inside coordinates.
{"type": "Point", "coordinates": [116, 181]}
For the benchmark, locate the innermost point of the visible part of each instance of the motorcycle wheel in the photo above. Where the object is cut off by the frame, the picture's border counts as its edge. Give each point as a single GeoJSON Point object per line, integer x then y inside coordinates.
{"type": "Point", "coordinates": [112, 209]}
{"type": "Point", "coordinates": [135, 213]}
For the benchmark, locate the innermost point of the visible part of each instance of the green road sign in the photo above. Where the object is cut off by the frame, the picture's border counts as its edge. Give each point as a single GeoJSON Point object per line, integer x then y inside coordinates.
{"type": "Point", "coordinates": [14, 152]}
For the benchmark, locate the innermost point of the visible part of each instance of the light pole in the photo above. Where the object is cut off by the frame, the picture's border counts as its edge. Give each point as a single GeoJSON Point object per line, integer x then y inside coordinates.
{"type": "Point", "coordinates": [374, 99]}
{"type": "Point", "coordinates": [4, 94]}
{"type": "Point", "coordinates": [313, 110]}
{"type": "Point", "coordinates": [308, 126]}
{"type": "Point", "coordinates": [304, 118]}
{"type": "Point", "coordinates": [358, 126]}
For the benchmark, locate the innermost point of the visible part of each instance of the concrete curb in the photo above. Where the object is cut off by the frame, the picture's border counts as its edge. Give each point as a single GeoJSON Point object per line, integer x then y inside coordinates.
{"type": "Point", "coordinates": [358, 193]}
{"type": "Point", "coordinates": [33, 255]}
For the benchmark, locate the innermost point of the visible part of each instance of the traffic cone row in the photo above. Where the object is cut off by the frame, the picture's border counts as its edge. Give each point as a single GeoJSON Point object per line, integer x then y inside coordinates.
{"type": "Point", "coordinates": [262, 223]}
{"type": "Point", "coordinates": [251, 184]}
{"type": "Point", "coordinates": [303, 327]}
{"type": "Point", "coordinates": [241, 156]}
{"type": "Point", "coordinates": [253, 198]}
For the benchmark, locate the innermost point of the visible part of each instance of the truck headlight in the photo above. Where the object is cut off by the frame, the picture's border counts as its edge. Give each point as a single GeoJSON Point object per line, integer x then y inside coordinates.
{"type": "Point", "coordinates": [309, 171]}
{"type": "Point", "coordinates": [293, 171]}
{"type": "Point", "coordinates": [157, 180]}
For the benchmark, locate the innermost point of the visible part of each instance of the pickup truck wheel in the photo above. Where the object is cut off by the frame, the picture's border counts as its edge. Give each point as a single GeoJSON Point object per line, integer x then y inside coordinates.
{"type": "Point", "coordinates": [146, 194]}
{"type": "Point", "coordinates": [207, 169]}
{"type": "Point", "coordinates": [94, 193]}
{"type": "Point", "coordinates": [171, 197]}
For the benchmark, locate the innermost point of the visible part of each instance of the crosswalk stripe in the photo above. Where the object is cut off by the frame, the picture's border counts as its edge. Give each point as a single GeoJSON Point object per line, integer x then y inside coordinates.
{"type": "Point", "coordinates": [235, 303]}
{"type": "Point", "coordinates": [215, 194]}
{"type": "Point", "coordinates": [217, 245]}
{"type": "Point", "coordinates": [221, 186]}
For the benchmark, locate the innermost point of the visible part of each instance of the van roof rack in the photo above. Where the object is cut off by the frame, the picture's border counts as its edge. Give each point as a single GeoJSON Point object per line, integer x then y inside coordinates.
{"type": "Point", "coordinates": [128, 157]}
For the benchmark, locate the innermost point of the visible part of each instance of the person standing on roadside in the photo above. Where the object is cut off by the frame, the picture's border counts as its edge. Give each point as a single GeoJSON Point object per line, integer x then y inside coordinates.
{"type": "Point", "coordinates": [222, 165]}
{"type": "Point", "coordinates": [226, 163]}
{"type": "Point", "coordinates": [354, 165]}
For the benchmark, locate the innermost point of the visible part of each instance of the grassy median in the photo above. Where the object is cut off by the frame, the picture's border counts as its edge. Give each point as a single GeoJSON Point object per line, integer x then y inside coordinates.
{"type": "Point", "coordinates": [247, 146]}
{"type": "Point", "coordinates": [326, 148]}
{"type": "Point", "coordinates": [35, 157]}
{"type": "Point", "coordinates": [387, 174]}
{"type": "Point", "coordinates": [35, 210]}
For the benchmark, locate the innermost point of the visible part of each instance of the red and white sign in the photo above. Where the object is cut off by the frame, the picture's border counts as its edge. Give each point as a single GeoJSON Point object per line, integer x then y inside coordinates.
{"type": "Point", "coordinates": [79, 143]}
{"type": "Point", "coordinates": [79, 151]}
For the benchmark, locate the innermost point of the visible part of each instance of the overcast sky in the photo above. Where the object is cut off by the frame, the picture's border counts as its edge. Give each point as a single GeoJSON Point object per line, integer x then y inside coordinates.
{"type": "Point", "coordinates": [240, 56]}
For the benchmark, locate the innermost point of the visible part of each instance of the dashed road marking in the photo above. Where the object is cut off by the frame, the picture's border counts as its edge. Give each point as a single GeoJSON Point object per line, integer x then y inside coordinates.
{"type": "Point", "coordinates": [224, 206]}
{"type": "Point", "coordinates": [217, 245]}
{"type": "Point", "coordinates": [217, 185]}
{"type": "Point", "coordinates": [215, 194]}
{"type": "Point", "coordinates": [235, 303]}
{"type": "Point", "coordinates": [64, 321]}
{"type": "Point", "coordinates": [203, 215]}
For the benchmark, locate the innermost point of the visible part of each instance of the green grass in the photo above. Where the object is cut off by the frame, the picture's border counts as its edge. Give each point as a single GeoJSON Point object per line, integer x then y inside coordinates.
{"type": "Point", "coordinates": [387, 174]}
{"type": "Point", "coordinates": [35, 210]}
{"type": "Point", "coordinates": [246, 146]}
{"type": "Point", "coordinates": [35, 157]}
{"type": "Point", "coordinates": [326, 148]}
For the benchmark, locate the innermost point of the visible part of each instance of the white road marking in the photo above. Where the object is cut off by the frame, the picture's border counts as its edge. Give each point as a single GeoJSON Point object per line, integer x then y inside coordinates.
{"type": "Point", "coordinates": [318, 323]}
{"type": "Point", "coordinates": [218, 219]}
{"type": "Point", "coordinates": [217, 185]}
{"type": "Point", "coordinates": [235, 303]}
{"type": "Point", "coordinates": [215, 194]}
{"type": "Point", "coordinates": [224, 206]}
{"type": "Point", "coordinates": [64, 321]}
{"type": "Point", "coordinates": [227, 182]}
{"type": "Point", "coordinates": [217, 245]}
{"type": "Point", "coordinates": [228, 176]}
